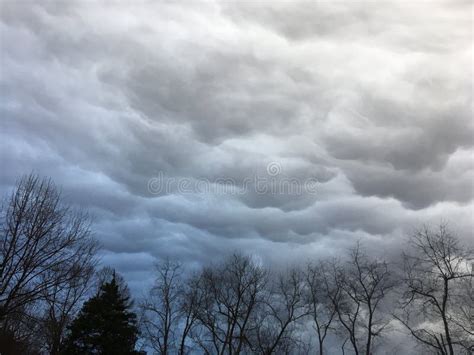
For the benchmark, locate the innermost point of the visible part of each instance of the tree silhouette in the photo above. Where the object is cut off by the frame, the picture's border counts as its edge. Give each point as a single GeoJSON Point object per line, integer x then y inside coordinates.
{"type": "Point", "coordinates": [437, 306]}
{"type": "Point", "coordinates": [105, 324]}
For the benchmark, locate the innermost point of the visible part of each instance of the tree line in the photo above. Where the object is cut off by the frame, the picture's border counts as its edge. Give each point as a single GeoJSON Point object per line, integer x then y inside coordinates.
{"type": "Point", "coordinates": [54, 298]}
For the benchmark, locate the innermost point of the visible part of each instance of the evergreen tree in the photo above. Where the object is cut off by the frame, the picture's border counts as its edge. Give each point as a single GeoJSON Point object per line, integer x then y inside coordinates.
{"type": "Point", "coordinates": [105, 324]}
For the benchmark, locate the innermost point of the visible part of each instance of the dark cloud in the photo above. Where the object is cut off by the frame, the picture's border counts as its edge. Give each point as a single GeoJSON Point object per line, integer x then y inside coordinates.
{"type": "Point", "coordinates": [374, 101]}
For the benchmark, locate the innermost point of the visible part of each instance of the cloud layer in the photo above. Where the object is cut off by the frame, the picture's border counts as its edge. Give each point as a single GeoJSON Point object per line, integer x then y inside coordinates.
{"type": "Point", "coordinates": [374, 100]}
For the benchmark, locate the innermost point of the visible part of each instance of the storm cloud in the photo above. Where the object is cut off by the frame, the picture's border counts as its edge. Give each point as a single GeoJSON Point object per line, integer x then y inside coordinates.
{"type": "Point", "coordinates": [372, 100]}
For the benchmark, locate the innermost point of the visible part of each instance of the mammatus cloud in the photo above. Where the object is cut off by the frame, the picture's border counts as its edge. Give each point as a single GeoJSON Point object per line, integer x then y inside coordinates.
{"type": "Point", "coordinates": [374, 100]}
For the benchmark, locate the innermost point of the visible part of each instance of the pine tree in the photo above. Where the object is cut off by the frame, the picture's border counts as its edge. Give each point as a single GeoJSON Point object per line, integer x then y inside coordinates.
{"type": "Point", "coordinates": [105, 325]}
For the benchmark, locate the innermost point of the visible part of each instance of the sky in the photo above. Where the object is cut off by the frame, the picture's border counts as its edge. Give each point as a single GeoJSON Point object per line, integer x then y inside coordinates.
{"type": "Point", "coordinates": [180, 126]}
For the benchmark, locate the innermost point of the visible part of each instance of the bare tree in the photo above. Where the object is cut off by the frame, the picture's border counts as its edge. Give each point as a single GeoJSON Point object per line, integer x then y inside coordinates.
{"type": "Point", "coordinates": [368, 281]}
{"type": "Point", "coordinates": [230, 295]}
{"type": "Point", "coordinates": [43, 242]}
{"type": "Point", "coordinates": [437, 305]}
{"type": "Point", "coordinates": [356, 291]}
{"type": "Point", "coordinates": [62, 303]}
{"type": "Point", "coordinates": [169, 310]}
{"type": "Point", "coordinates": [189, 306]}
{"type": "Point", "coordinates": [333, 278]}
{"type": "Point", "coordinates": [284, 306]}
{"type": "Point", "coordinates": [20, 337]}
{"type": "Point", "coordinates": [321, 309]}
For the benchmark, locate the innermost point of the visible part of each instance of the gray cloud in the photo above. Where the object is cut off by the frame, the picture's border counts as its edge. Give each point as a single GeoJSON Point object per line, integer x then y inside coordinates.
{"type": "Point", "coordinates": [372, 100]}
